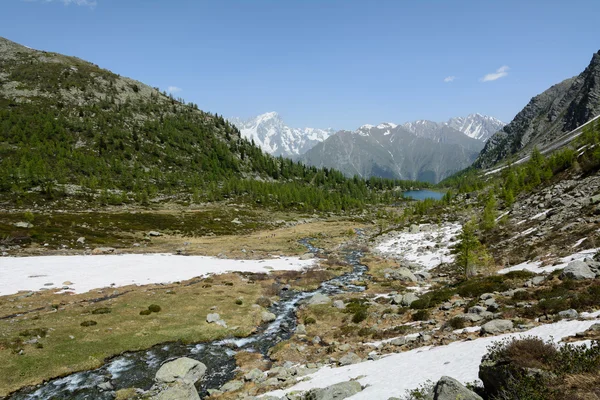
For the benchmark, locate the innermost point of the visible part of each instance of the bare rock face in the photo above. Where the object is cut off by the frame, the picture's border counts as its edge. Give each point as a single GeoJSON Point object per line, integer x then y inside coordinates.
{"type": "Point", "coordinates": [560, 109]}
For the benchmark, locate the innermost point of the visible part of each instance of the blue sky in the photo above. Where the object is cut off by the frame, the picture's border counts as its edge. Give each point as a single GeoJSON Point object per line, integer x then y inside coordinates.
{"type": "Point", "coordinates": [325, 63]}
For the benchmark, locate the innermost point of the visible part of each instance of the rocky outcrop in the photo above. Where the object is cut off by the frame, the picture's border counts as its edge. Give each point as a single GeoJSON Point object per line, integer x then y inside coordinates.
{"type": "Point", "coordinates": [497, 326]}
{"type": "Point", "coordinates": [448, 388]}
{"type": "Point", "coordinates": [558, 110]}
{"type": "Point", "coordinates": [578, 270]}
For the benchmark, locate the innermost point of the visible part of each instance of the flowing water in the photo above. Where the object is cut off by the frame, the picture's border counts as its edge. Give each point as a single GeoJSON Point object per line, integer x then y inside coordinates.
{"type": "Point", "coordinates": [137, 369]}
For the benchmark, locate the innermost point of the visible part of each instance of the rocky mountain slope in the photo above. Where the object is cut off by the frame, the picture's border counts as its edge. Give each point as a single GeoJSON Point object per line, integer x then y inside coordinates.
{"type": "Point", "coordinates": [558, 110]}
{"type": "Point", "coordinates": [422, 150]}
{"type": "Point", "coordinates": [271, 134]}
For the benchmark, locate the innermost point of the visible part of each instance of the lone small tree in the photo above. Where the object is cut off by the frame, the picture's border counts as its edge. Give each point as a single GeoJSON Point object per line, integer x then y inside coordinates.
{"type": "Point", "coordinates": [469, 251]}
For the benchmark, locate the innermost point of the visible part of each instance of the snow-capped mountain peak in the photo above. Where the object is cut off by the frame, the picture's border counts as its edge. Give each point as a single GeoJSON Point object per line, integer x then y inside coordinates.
{"type": "Point", "coordinates": [476, 126]}
{"type": "Point", "coordinates": [270, 133]}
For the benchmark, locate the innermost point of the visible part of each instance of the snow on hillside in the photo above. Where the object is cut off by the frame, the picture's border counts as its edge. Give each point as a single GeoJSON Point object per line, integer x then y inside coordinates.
{"type": "Point", "coordinates": [393, 375]}
{"type": "Point", "coordinates": [84, 273]}
{"type": "Point", "coordinates": [427, 245]}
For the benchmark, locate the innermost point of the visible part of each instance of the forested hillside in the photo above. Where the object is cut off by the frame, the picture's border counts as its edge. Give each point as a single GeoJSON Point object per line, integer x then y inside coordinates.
{"type": "Point", "coordinates": [68, 127]}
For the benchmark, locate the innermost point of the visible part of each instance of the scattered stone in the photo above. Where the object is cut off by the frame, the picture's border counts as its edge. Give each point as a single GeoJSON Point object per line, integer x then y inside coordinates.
{"type": "Point", "coordinates": [577, 270]}
{"type": "Point", "coordinates": [81, 240]}
{"type": "Point", "coordinates": [339, 304]}
{"type": "Point", "coordinates": [254, 375]}
{"type": "Point", "coordinates": [267, 316]}
{"type": "Point", "coordinates": [497, 326]}
{"type": "Point", "coordinates": [215, 318]}
{"type": "Point", "coordinates": [319, 298]}
{"type": "Point", "coordinates": [338, 391]}
{"type": "Point", "coordinates": [232, 386]}
{"type": "Point", "coordinates": [300, 329]}
{"type": "Point", "coordinates": [105, 386]}
{"type": "Point", "coordinates": [450, 389]}
{"type": "Point", "coordinates": [568, 314]}
{"type": "Point", "coordinates": [408, 299]}
{"type": "Point", "coordinates": [176, 391]}
{"type": "Point", "coordinates": [154, 233]}
{"type": "Point", "coordinates": [400, 274]}
{"type": "Point", "coordinates": [350, 358]}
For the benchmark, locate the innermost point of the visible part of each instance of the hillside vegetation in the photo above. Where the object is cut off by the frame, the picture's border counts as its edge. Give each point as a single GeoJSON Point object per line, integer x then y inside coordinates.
{"type": "Point", "coordinates": [70, 128]}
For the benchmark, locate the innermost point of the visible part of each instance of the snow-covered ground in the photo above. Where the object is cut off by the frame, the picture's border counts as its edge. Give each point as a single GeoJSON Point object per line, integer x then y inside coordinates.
{"type": "Point", "coordinates": [84, 273]}
{"type": "Point", "coordinates": [536, 266]}
{"type": "Point", "coordinates": [429, 247]}
{"type": "Point", "coordinates": [395, 374]}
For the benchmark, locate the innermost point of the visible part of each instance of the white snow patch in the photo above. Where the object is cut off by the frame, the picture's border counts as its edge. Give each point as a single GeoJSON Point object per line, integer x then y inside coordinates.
{"type": "Point", "coordinates": [469, 329]}
{"type": "Point", "coordinates": [579, 242]}
{"type": "Point", "coordinates": [536, 266]}
{"type": "Point", "coordinates": [93, 272]}
{"type": "Point", "coordinates": [430, 247]}
{"type": "Point", "coordinates": [459, 360]}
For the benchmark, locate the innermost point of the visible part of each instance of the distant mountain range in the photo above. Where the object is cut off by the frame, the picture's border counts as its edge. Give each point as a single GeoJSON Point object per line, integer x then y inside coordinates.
{"type": "Point", "coordinates": [419, 150]}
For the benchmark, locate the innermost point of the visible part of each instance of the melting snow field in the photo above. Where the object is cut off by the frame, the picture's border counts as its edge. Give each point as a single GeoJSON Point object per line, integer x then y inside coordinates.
{"type": "Point", "coordinates": [84, 273]}
{"type": "Point", "coordinates": [395, 374]}
{"type": "Point", "coordinates": [536, 266]}
{"type": "Point", "coordinates": [429, 247]}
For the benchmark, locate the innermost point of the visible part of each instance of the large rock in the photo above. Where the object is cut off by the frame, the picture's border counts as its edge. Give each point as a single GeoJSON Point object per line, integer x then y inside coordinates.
{"type": "Point", "coordinates": [266, 316]}
{"type": "Point", "coordinates": [232, 386]}
{"type": "Point", "coordinates": [183, 369]}
{"type": "Point", "coordinates": [339, 304]}
{"type": "Point", "coordinates": [215, 318]}
{"type": "Point", "coordinates": [317, 299]}
{"type": "Point", "coordinates": [578, 270]}
{"type": "Point", "coordinates": [338, 391]}
{"type": "Point", "coordinates": [497, 326]}
{"type": "Point", "coordinates": [450, 389]}
{"type": "Point", "coordinates": [350, 358]}
{"type": "Point", "coordinates": [409, 298]}
{"type": "Point", "coordinates": [176, 391]}
{"type": "Point", "coordinates": [400, 274]}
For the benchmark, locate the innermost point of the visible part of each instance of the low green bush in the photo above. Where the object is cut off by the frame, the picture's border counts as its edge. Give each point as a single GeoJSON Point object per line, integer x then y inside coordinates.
{"type": "Point", "coordinates": [88, 323]}
{"type": "Point", "coordinates": [154, 308]}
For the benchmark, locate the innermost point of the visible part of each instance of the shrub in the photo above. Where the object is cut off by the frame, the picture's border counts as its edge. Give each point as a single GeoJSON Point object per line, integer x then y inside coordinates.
{"type": "Point", "coordinates": [239, 302]}
{"type": "Point", "coordinates": [154, 308]}
{"type": "Point", "coordinates": [475, 287]}
{"type": "Point", "coordinates": [432, 299]}
{"type": "Point", "coordinates": [309, 321]}
{"type": "Point", "coordinates": [359, 316]}
{"type": "Point", "coordinates": [89, 323]}
{"type": "Point", "coordinates": [421, 315]}
{"type": "Point", "coordinates": [145, 312]}
{"type": "Point", "coordinates": [103, 310]}
{"type": "Point", "coordinates": [456, 323]}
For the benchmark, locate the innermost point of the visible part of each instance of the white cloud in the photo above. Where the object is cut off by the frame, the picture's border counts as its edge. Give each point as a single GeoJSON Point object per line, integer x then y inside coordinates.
{"type": "Point", "coordinates": [174, 89]}
{"type": "Point", "coordinates": [500, 73]}
{"type": "Point", "coordinates": [449, 79]}
{"type": "Point", "coordinates": [88, 3]}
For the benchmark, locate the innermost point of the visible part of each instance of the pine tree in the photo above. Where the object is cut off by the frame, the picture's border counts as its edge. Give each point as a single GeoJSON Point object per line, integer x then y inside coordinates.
{"type": "Point", "coordinates": [488, 219]}
{"type": "Point", "coordinates": [467, 249]}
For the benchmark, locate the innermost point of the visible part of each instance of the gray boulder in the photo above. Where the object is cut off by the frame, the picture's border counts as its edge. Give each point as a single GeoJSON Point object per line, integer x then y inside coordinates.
{"type": "Point", "coordinates": [215, 318]}
{"type": "Point", "coordinates": [400, 274]}
{"type": "Point", "coordinates": [450, 389]}
{"type": "Point", "coordinates": [254, 375]}
{"type": "Point", "coordinates": [232, 386]}
{"type": "Point", "coordinates": [338, 391]}
{"type": "Point", "coordinates": [266, 316]}
{"type": "Point", "coordinates": [339, 304]}
{"type": "Point", "coordinates": [317, 299]}
{"type": "Point", "coordinates": [569, 314]}
{"type": "Point", "coordinates": [176, 391]}
{"type": "Point", "coordinates": [409, 298]}
{"type": "Point", "coordinates": [497, 326]}
{"type": "Point", "coordinates": [183, 369]}
{"type": "Point", "coordinates": [577, 270]}
{"type": "Point", "coordinates": [350, 358]}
